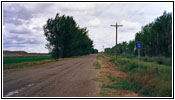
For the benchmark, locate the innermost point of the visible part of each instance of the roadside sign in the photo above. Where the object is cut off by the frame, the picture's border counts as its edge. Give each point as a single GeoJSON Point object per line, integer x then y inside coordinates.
{"type": "Point", "coordinates": [139, 45]}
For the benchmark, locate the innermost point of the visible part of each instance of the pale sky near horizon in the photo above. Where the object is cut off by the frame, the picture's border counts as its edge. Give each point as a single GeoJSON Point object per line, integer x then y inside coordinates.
{"type": "Point", "coordinates": [23, 22]}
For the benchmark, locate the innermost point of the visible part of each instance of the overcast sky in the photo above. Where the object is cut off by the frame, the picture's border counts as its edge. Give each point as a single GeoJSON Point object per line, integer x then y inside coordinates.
{"type": "Point", "coordinates": [23, 22]}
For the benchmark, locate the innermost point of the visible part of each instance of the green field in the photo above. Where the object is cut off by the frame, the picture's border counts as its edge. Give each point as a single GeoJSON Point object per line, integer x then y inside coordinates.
{"type": "Point", "coordinates": [19, 59]}
{"type": "Point", "coordinates": [24, 61]}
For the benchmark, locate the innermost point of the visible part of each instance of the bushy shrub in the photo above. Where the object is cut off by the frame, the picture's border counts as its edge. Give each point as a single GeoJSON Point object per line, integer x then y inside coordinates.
{"type": "Point", "coordinates": [160, 60]}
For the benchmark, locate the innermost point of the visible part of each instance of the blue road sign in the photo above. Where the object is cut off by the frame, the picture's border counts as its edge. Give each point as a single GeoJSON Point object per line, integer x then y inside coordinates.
{"type": "Point", "coordinates": [139, 45]}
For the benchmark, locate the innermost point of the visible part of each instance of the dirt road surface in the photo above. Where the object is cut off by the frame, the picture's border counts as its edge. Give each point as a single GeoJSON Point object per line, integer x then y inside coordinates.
{"type": "Point", "coordinates": [67, 78]}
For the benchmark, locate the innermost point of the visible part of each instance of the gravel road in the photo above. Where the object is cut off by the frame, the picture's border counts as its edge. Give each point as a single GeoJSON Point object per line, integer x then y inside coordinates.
{"type": "Point", "coordinates": [67, 78]}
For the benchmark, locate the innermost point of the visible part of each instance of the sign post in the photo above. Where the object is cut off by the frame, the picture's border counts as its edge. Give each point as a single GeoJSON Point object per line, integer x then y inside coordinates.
{"type": "Point", "coordinates": [139, 46]}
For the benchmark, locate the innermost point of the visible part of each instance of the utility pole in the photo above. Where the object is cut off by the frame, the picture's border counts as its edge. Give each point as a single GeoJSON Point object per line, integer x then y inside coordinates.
{"type": "Point", "coordinates": [103, 49]}
{"type": "Point", "coordinates": [116, 36]}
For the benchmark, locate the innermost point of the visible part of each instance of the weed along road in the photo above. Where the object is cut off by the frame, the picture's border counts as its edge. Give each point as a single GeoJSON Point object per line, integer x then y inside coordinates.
{"type": "Point", "coordinates": [71, 77]}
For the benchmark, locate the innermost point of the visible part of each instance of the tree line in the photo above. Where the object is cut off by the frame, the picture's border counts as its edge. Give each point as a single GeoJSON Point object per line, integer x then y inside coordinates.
{"type": "Point", "coordinates": [65, 38]}
{"type": "Point", "coordinates": [155, 36]}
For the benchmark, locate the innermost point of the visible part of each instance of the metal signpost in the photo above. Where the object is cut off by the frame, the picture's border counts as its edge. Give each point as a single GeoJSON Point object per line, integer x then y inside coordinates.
{"type": "Point", "coordinates": [139, 46]}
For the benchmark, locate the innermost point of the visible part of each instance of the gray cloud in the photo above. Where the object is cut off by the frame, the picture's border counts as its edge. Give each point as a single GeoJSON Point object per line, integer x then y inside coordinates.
{"type": "Point", "coordinates": [22, 22]}
{"type": "Point", "coordinates": [16, 41]}
{"type": "Point", "coordinates": [15, 13]}
{"type": "Point", "coordinates": [37, 28]}
{"type": "Point", "coordinates": [23, 31]}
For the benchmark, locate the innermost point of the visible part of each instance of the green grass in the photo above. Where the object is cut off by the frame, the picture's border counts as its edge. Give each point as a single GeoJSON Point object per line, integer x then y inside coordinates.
{"type": "Point", "coordinates": [97, 57]}
{"type": "Point", "coordinates": [160, 60]}
{"type": "Point", "coordinates": [96, 65]}
{"type": "Point", "coordinates": [25, 61]}
{"type": "Point", "coordinates": [122, 85]}
{"type": "Point", "coordinates": [147, 82]}
{"type": "Point", "coordinates": [112, 79]}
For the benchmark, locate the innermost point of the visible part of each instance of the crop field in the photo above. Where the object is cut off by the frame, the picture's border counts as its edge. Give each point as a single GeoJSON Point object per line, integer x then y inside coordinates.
{"type": "Point", "coordinates": [19, 59]}
{"type": "Point", "coordinates": [12, 62]}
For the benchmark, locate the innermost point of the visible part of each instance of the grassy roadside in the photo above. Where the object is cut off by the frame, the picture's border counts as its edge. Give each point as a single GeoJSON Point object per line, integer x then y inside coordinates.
{"type": "Point", "coordinates": [109, 75]}
{"type": "Point", "coordinates": [121, 78]}
{"type": "Point", "coordinates": [153, 79]}
{"type": "Point", "coordinates": [96, 64]}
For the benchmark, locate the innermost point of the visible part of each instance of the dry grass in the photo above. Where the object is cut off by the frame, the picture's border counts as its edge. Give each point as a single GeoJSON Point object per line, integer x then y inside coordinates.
{"type": "Point", "coordinates": [107, 72]}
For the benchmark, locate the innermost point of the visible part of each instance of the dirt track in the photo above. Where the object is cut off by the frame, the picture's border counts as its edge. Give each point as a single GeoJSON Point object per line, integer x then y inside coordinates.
{"type": "Point", "coordinates": [67, 78]}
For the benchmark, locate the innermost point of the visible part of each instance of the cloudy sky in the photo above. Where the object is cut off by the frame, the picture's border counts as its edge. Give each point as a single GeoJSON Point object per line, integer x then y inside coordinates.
{"type": "Point", "coordinates": [23, 22]}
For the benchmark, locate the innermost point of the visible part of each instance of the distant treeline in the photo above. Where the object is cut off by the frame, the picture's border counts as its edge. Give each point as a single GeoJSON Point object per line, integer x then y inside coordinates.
{"type": "Point", "coordinates": [22, 53]}
{"type": "Point", "coordinates": [65, 38]}
{"type": "Point", "coordinates": [156, 38]}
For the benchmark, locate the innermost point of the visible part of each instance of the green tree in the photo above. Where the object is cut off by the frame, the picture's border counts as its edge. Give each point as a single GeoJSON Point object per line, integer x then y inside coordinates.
{"type": "Point", "coordinates": [65, 38]}
{"type": "Point", "coordinates": [155, 36]}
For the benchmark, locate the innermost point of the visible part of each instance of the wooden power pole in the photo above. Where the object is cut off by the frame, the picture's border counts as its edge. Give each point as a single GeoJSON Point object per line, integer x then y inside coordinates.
{"type": "Point", "coordinates": [116, 37]}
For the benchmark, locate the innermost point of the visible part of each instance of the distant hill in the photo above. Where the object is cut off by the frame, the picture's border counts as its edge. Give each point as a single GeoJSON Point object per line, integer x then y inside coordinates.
{"type": "Point", "coordinates": [21, 53]}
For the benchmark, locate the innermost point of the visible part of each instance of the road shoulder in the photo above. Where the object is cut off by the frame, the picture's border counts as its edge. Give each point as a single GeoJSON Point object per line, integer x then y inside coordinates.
{"type": "Point", "coordinates": [108, 75]}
